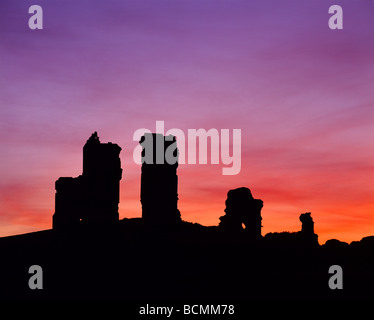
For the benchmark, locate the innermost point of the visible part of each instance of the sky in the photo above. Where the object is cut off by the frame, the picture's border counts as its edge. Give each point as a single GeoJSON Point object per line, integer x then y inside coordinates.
{"type": "Point", "coordinates": [301, 94]}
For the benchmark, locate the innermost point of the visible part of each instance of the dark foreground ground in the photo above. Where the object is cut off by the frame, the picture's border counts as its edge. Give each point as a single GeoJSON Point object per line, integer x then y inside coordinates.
{"type": "Point", "coordinates": [134, 262]}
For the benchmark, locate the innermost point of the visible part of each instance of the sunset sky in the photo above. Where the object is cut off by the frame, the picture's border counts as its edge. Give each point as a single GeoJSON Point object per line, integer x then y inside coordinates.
{"type": "Point", "coordinates": [302, 94]}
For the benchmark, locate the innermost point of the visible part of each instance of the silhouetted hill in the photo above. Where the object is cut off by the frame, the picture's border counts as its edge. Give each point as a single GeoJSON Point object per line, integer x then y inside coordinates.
{"type": "Point", "coordinates": [134, 260]}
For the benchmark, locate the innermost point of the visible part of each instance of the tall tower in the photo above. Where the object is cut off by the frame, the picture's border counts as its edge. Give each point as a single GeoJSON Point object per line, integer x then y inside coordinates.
{"type": "Point", "coordinates": [92, 197]}
{"type": "Point", "coordinates": [159, 180]}
{"type": "Point", "coordinates": [102, 174]}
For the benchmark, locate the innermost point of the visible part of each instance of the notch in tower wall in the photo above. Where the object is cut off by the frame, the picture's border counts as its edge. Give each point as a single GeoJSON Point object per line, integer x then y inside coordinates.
{"type": "Point", "coordinates": [159, 180]}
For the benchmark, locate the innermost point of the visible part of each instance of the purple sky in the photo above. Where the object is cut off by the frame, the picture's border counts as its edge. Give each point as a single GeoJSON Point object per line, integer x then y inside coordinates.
{"type": "Point", "coordinates": [301, 93]}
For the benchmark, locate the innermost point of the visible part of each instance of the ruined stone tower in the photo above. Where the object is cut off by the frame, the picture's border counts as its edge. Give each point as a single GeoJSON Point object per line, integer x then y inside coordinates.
{"type": "Point", "coordinates": [159, 180]}
{"type": "Point", "coordinates": [92, 197]}
{"type": "Point", "coordinates": [307, 235]}
{"type": "Point", "coordinates": [242, 209]}
{"type": "Point", "coordinates": [307, 223]}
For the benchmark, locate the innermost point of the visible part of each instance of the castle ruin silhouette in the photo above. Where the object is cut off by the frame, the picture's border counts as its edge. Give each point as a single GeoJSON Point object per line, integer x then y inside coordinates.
{"type": "Point", "coordinates": [91, 253]}
{"type": "Point", "coordinates": [93, 197]}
